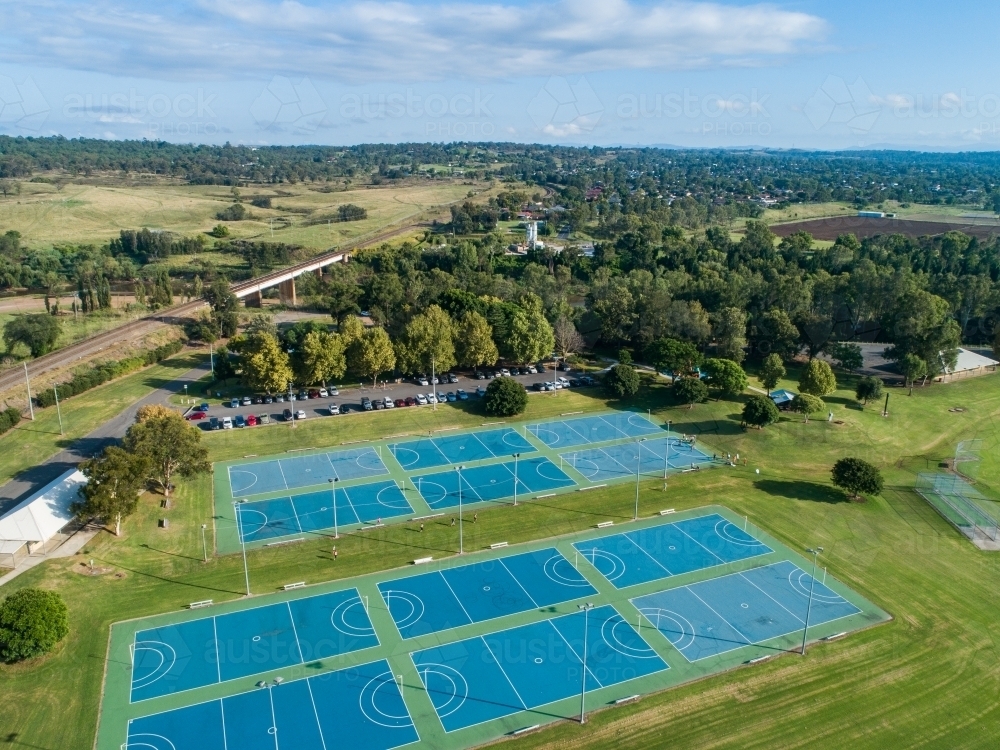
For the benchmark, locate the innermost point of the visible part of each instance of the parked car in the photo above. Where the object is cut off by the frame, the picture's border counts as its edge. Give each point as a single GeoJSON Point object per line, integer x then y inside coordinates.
{"type": "Point", "coordinates": [388, 403]}
{"type": "Point", "coordinates": [333, 409]}
{"type": "Point", "coordinates": [258, 399]}
{"type": "Point", "coordinates": [491, 374]}
{"type": "Point", "coordinates": [304, 395]}
{"type": "Point", "coordinates": [400, 402]}
{"type": "Point", "coordinates": [196, 415]}
{"type": "Point", "coordinates": [452, 398]}
{"type": "Point", "coordinates": [531, 369]}
{"type": "Point", "coordinates": [280, 398]}
{"type": "Point", "coordinates": [587, 380]}
{"type": "Point", "coordinates": [422, 399]}
{"type": "Point", "coordinates": [314, 393]}
{"type": "Point", "coordinates": [505, 372]}
{"type": "Point", "coordinates": [410, 401]}
{"type": "Point", "coordinates": [331, 391]}
{"type": "Point", "coordinates": [379, 404]}
{"type": "Point", "coordinates": [480, 391]}
{"type": "Point", "coordinates": [324, 393]}
{"type": "Point", "coordinates": [300, 414]}
{"type": "Point", "coordinates": [287, 415]}
{"type": "Point", "coordinates": [251, 420]}
{"type": "Point", "coordinates": [564, 367]}
{"type": "Point", "coordinates": [435, 380]}
{"type": "Point", "coordinates": [268, 400]}
{"type": "Point", "coordinates": [462, 395]}
{"type": "Point", "coordinates": [263, 419]}
{"type": "Point", "coordinates": [421, 380]}
{"type": "Point", "coordinates": [431, 398]}
{"type": "Point", "coordinates": [227, 423]}
{"type": "Point", "coordinates": [452, 377]}
{"type": "Point", "coordinates": [239, 421]}
{"type": "Point", "coordinates": [442, 398]}
{"type": "Point", "coordinates": [574, 382]}
{"type": "Point", "coordinates": [204, 406]}
{"type": "Point", "coordinates": [214, 423]}
{"type": "Point", "coordinates": [539, 386]}
{"type": "Point", "coordinates": [480, 376]}
{"type": "Point", "coordinates": [234, 403]}
{"type": "Point", "coordinates": [366, 403]}
{"type": "Point", "coordinates": [247, 401]}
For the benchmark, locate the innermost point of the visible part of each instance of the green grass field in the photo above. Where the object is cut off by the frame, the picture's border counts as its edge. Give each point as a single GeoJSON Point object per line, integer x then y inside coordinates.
{"type": "Point", "coordinates": [929, 678]}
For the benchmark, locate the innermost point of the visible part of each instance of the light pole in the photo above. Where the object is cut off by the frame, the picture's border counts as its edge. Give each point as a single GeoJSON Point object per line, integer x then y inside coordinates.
{"type": "Point", "coordinates": [243, 544]}
{"type": "Point", "coordinates": [638, 459]}
{"type": "Point", "coordinates": [666, 457]}
{"type": "Point", "coordinates": [812, 585]}
{"type": "Point", "coordinates": [516, 456]}
{"type": "Point", "coordinates": [333, 496]}
{"type": "Point", "coordinates": [291, 407]}
{"type": "Point", "coordinates": [204, 544]}
{"type": "Point", "coordinates": [55, 392]}
{"type": "Point", "coordinates": [434, 391]}
{"type": "Point", "coordinates": [211, 357]}
{"type": "Point", "coordinates": [461, 544]}
{"type": "Point", "coordinates": [583, 681]}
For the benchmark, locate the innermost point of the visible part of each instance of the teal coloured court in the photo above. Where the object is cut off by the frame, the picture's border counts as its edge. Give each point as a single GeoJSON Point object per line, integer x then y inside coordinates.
{"type": "Point", "coordinates": [460, 652]}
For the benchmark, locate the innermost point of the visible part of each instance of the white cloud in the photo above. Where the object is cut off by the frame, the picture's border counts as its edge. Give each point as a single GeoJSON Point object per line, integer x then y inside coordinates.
{"type": "Point", "coordinates": [364, 41]}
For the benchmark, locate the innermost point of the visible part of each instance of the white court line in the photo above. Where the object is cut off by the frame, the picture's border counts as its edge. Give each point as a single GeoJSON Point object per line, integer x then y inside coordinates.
{"type": "Point", "coordinates": [296, 514]}
{"type": "Point", "coordinates": [441, 573]}
{"type": "Point", "coordinates": [573, 650]}
{"type": "Point", "coordinates": [772, 598]}
{"type": "Point", "coordinates": [218, 656]}
{"type": "Point", "coordinates": [518, 479]}
{"type": "Point", "coordinates": [735, 629]}
{"type": "Point", "coordinates": [357, 518]}
{"type": "Point", "coordinates": [274, 719]}
{"type": "Point", "coordinates": [571, 428]}
{"type": "Point", "coordinates": [319, 725]}
{"type": "Point", "coordinates": [332, 467]}
{"type": "Point", "coordinates": [469, 485]}
{"type": "Point", "coordinates": [627, 469]}
{"type": "Point", "coordinates": [222, 710]}
{"type": "Point", "coordinates": [295, 632]}
{"type": "Point", "coordinates": [484, 445]}
{"type": "Point", "coordinates": [518, 582]}
{"type": "Point", "coordinates": [283, 480]}
{"type": "Point", "coordinates": [438, 449]}
{"type": "Point", "coordinates": [721, 561]}
{"type": "Point", "coordinates": [614, 427]}
{"type": "Point", "coordinates": [503, 672]}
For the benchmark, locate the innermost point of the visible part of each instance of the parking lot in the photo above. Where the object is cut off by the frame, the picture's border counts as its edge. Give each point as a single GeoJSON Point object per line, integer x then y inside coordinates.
{"type": "Point", "coordinates": [351, 398]}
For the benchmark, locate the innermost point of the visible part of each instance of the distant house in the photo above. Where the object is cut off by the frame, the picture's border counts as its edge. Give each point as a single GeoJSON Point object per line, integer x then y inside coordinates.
{"type": "Point", "coordinates": [782, 398]}
{"type": "Point", "coordinates": [968, 365]}
{"type": "Point", "coordinates": [871, 214]}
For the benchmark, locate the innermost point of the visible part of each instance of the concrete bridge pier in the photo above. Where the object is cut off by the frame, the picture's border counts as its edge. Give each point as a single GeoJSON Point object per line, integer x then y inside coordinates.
{"type": "Point", "coordinates": [286, 292]}
{"type": "Point", "coordinates": [254, 299]}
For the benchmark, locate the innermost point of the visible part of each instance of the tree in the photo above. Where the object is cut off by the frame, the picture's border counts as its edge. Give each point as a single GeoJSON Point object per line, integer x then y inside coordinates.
{"type": "Point", "coordinates": [152, 411]}
{"type": "Point", "coordinates": [776, 333]}
{"type": "Point", "coordinates": [673, 356]}
{"type": "Point", "coordinates": [624, 357]}
{"type": "Point", "coordinates": [817, 378]}
{"type": "Point", "coordinates": [807, 404]}
{"type": "Point", "coordinates": [726, 376]}
{"type": "Point", "coordinates": [567, 339]}
{"type": "Point", "coordinates": [170, 445]}
{"type": "Point", "coordinates": [923, 325]}
{"type": "Point", "coordinates": [265, 365]}
{"type": "Point", "coordinates": [731, 334]}
{"type": "Point", "coordinates": [913, 367]}
{"type": "Point", "coordinates": [846, 355]}
{"type": "Point", "coordinates": [771, 371]}
{"type": "Point", "coordinates": [224, 365]}
{"type": "Point", "coordinates": [322, 356]}
{"type": "Point", "coordinates": [690, 391]}
{"type": "Point", "coordinates": [760, 411]}
{"type": "Point", "coordinates": [868, 389]}
{"type": "Point", "coordinates": [474, 343]}
{"type": "Point", "coordinates": [375, 354]}
{"type": "Point", "coordinates": [857, 477]}
{"type": "Point", "coordinates": [115, 480]}
{"type": "Point", "coordinates": [32, 622]}
{"type": "Point", "coordinates": [37, 332]}
{"type": "Point", "coordinates": [622, 381]}
{"type": "Point", "coordinates": [224, 306]}
{"type": "Point", "coordinates": [505, 397]}
{"type": "Point", "coordinates": [427, 342]}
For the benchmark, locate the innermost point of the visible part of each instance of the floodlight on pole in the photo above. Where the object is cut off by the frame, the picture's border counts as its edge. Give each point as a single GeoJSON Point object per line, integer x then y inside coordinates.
{"type": "Point", "coordinates": [243, 543]}
{"type": "Point", "coordinates": [333, 497]}
{"type": "Point", "coordinates": [204, 543]}
{"type": "Point", "coordinates": [812, 585]}
{"type": "Point", "coordinates": [638, 460]}
{"type": "Point", "coordinates": [666, 456]}
{"type": "Point", "coordinates": [461, 543]}
{"type": "Point", "coordinates": [583, 680]}
{"type": "Point", "coordinates": [516, 456]}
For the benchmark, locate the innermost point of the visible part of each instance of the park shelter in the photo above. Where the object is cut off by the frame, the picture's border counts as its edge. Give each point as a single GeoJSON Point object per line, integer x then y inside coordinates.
{"type": "Point", "coordinates": [782, 398]}
{"type": "Point", "coordinates": [968, 365]}
{"type": "Point", "coordinates": [30, 525]}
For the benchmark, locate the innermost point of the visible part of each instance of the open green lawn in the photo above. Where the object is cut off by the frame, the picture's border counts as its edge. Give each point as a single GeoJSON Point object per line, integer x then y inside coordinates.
{"type": "Point", "coordinates": [929, 678]}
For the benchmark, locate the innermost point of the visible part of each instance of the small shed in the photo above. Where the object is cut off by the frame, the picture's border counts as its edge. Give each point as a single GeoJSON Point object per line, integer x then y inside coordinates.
{"type": "Point", "coordinates": [782, 398]}
{"type": "Point", "coordinates": [28, 526]}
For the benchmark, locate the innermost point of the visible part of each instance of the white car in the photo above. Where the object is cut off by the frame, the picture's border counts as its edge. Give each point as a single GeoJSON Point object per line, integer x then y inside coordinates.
{"type": "Point", "coordinates": [300, 414]}
{"type": "Point", "coordinates": [431, 398]}
{"type": "Point", "coordinates": [324, 393]}
{"type": "Point", "coordinates": [389, 403]}
{"type": "Point", "coordinates": [333, 391]}
{"type": "Point", "coordinates": [422, 380]}
{"type": "Point", "coordinates": [505, 372]}
{"type": "Point", "coordinates": [333, 409]}
{"type": "Point", "coordinates": [227, 423]}
{"type": "Point", "coordinates": [530, 369]}
{"type": "Point", "coordinates": [422, 399]}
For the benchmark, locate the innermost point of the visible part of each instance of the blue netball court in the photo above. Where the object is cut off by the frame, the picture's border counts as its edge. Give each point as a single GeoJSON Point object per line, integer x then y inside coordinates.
{"type": "Point", "coordinates": [487, 677]}
{"type": "Point", "coordinates": [314, 511]}
{"type": "Point", "coordinates": [566, 433]}
{"type": "Point", "coordinates": [428, 452]}
{"type": "Point", "coordinates": [297, 472]}
{"type": "Point", "coordinates": [359, 707]}
{"type": "Point", "coordinates": [669, 549]}
{"type": "Point", "coordinates": [211, 650]}
{"type": "Point", "coordinates": [491, 482]}
{"type": "Point", "coordinates": [453, 597]}
{"type": "Point", "coordinates": [729, 612]}
{"type": "Point", "coordinates": [647, 457]}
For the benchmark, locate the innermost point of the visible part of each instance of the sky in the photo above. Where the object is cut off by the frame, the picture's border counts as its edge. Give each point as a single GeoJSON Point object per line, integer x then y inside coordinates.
{"type": "Point", "coordinates": [813, 75]}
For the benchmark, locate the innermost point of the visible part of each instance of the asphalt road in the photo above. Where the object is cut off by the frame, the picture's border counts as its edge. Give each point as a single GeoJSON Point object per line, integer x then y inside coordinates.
{"type": "Point", "coordinates": [319, 407]}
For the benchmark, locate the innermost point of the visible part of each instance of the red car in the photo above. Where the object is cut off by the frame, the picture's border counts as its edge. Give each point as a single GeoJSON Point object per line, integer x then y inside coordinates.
{"type": "Point", "coordinates": [196, 415]}
{"type": "Point", "coordinates": [314, 394]}
{"type": "Point", "coordinates": [251, 420]}
{"type": "Point", "coordinates": [400, 402]}
{"type": "Point", "coordinates": [410, 401]}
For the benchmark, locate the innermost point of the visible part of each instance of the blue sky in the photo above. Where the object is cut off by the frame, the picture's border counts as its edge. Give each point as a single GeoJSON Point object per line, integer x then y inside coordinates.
{"type": "Point", "coordinates": [827, 75]}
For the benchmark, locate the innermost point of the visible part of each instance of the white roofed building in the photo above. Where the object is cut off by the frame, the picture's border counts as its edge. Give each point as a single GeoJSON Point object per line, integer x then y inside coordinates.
{"type": "Point", "coordinates": [28, 526]}
{"type": "Point", "coordinates": [968, 365]}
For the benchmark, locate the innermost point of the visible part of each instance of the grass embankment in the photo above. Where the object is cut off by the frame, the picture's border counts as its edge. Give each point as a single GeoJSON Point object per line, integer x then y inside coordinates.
{"type": "Point", "coordinates": [30, 443]}
{"type": "Point", "coordinates": [930, 678]}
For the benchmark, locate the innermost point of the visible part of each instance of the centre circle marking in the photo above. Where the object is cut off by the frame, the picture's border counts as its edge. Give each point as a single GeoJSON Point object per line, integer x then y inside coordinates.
{"type": "Point", "coordinates": [486, 588]}
{"type": "Point", "coordinates": [256, 638]}
{"type": "Point", "coordinates": [745, 606]}
{"type": "Point", "coordinates": [538, 660]}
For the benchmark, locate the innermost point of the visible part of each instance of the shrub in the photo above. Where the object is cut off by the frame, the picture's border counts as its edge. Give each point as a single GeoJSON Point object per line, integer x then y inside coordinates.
{"type": "Point", "coordinates": [9, 418]}
{"type": "Point", "coordinates": [235, 212]}
{"type": "Point", "coordinates": [760, 411]}
{"type": "Point", "coordinates": [869, 389]}
{"type": "Point", "coordinates": [350, 212]}
{"type": "Point", "coordinates": [261, 201]}
{"type": "Point", "coordinates": [622, 381]}
{"type": "Point", "coordinates": [32, 622]}
{"type": "Point", "coordinates": [505, 397]}
{"type": "Point", "coordinates": [807, 404]}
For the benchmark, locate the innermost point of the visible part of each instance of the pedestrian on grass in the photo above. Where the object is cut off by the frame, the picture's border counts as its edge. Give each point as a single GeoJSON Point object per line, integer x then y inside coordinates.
{"type": "Point", "coordinates": [335, 553]}
{"type": "Point", "coordinates": [475, 518]}
{"type": "Point", "coordinates": [421, 528]}
{"type": "Point", "coordinates": [452, 520]}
